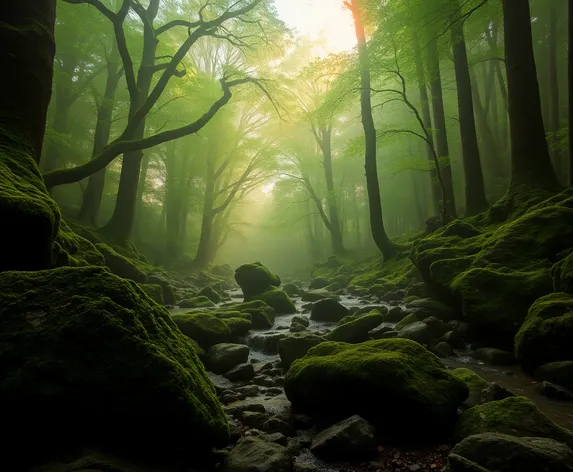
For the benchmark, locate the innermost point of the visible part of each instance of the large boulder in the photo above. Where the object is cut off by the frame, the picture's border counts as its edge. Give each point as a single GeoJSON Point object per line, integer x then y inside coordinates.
{"type": "Point", "coordinates": [255, 279]}
{"type": "Point", "coordinates": [262, 315]}
{"type": "Point", "coordinates": [239, 326]}
{"type": "Point", "coordinates": [431, 307]}
{"type": "Point", "coordinates": [492, 452]}
{"type": "Point", "coordinates": [418, 331]}
{"type": "Point", "coordinates": [328, 310]}
{"type": "Point", "coordinates": [562, 273]}
{"type": "Point", "coordinates": [204, 328]}
{"type": "Point", "coordinates": [475, 384]}
{"type": "Point", "coordinates": [384, 381]}
{"type": "Point", "coordinates": [121, 265]}
{"type": "Point", "coordinates": [350, 439]}
{"type": "Point", "coordinates": [516, 416]}
{"type": "Point", "coordinates": [547, 333]}
{"type": "Point", "coordinates": [223, 357]}
{"type": "Point", "coordinates": [252, 454]}
{"type": "Point", "coordinates": [277, 299]}
{"type": "Point", "coordinates": [356, 330]}
{"type": "Point", "coordinates": [153, 291]}
{"type": "Point", "coordinates": [295, 346]}
{"type": "Point", "coordinates": [197, 302]}
{"type": "Point", "coordinates": [89, 352]}
{"type": "Point", "coordinates": [560, 373]}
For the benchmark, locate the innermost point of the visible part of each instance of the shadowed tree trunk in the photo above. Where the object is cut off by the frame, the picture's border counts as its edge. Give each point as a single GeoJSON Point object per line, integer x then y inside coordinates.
{"type": "Point", "coordinates": [93, 193]}
{"type": "Point", "coordinates": [570, 73]}
{"type": "Point", "coordinates": [530, 162]}
{"type": "Point", "coordinates": [476, 201]}
{"type": "Point", "coordinates": [441, 134]}
{"type": "Point", "coordinates": [555, 125]}
{"type": "Point", "coordinates": [27, 58]}
{"type": "Point", "coordinates": [388, 249]}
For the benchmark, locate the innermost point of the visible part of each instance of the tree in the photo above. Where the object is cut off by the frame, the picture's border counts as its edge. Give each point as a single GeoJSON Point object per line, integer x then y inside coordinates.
{"type": "Point", "coordinates": [381, 239]}
{"type": "Point", "coordinates": [530, 161]}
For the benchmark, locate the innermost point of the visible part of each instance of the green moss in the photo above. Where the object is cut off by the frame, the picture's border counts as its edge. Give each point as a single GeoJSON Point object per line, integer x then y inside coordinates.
{"type": "Point", "coordinates": [30, 217]}
{"type": "Point", "coordinates": [255, 279]}
{"type": "Point", "coordinates": [88, 351]}
{"type": "Point", "coordinates": [278, 300]}
{"type": "Point", "coordinates": [262, 315]}
{"type": "Point", "coordinates": [238, 326]}
{"type": "Point", "coordinates": [474, 382]}
{"type": "Point", "coordinates": [204, 328]}
{"type": "Point", "coordinates": [356, 330]}
{"type": "Point", "coordinates": [295, 346]}
{"type": "Point", "coordinates": [562, 273]}
{"type": "Point", "coordinates": [384, 381]}
{"type": "Point", "coordinates": [153, 291]}
{"type": "Point", "coordinates": [197, 302]}
{"type": "Point", "coordinates": [73, 250]}
{"type": "Point", "coordinates": [516, 416]}
{"type": "Point", "coordinates": [121, 265]}
{"type": "Point", "coordinates": [211, 294]}
{"type": "Point", "coordinates": [547, 333]}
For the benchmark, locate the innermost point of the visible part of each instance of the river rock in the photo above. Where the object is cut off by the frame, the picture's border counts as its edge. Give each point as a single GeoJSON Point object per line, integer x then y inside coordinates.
{"type": "Point", "coordinates": [277, 438]}
{"type": "Point", "coordinates": [493, 356]}
{"type": "Point", "coordinates": [328, 310]}
{"type": "Point", "coordinates": [277, 299]}
{"type": "Point", "coordinates": [443, 349]}
{"type": "Point", "coordinates": [492, 452]}
{"type": "Point", "coordinates": [394, 314]}
{"type": "Point", "coordinates": [351, 439]}
{"type": "Point", "coordinates": [267, 343]}
{"type": "Point", "coordinates": [494, 392]}
{"type": "Point", "coordinates": [341, 380]}
{"type": "Point", "coordinates": [211, 294]}
{"type": "Point", "coordinates": [276, 425]}
{"type": "Point", "coordinates": [475, 384]}
{"type": "Point", "coordinates": [297, 328]}
{"type": "Point", "coordinates": [407, 320]}
{"type": "Point", "coordinates": [437, 327]}
{"type": "Point", "coordinates": [319, 282]}
{"type": "Point", "coordinates": [223, 357]}
{"type": "Point", "coordinates": [296, 346]}
{"type": "Point", "coordinates": [252, 454]}
{"type": "Point", "coordinates": [241, 373]}
{"type": "Point", "coordinates": [204, 328]}
{"type": "Point", "coordinates": [516, 416]}
{"type": "Point", "coordinates": [303, 320]}
{"type": "Point", "coordinates": [255, 279]}
{"type": "Point", "coordinates": [291, 290]}
{"type": "Point", "coordinates": [378, 332]}
{"type": "Point", "coordinates": [320, 294]}
{"type": "Point", "coordinates": [382, 309]}
{"type": "Point", "coordinates": [253, 419]}
{"type": "Point", "coordinates": [418, 331]}
{"type": "Point", "coordinates": [454, 339]}
{"type": "Point", "coordinates": [556, 392]}
{"type": "Point", "coordinates": [196, 302]}
{"type": "Point", "coordinates": [560, 373]}
{"type": "Point", "coordinates": [88, 351]}
{"type": "Point", "coordinates": [431, 307]}
{"type": "Point", "coordinates": [356, 330]}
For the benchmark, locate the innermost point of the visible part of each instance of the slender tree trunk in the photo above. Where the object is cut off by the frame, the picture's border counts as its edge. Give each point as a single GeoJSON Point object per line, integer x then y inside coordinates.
{"type": "Point", "coordinates": [93, 193]}
{"type": "Point", "coordinates": [27, 57]}
{"type": "Point", "coordinates": [379, 235]}
{"type": "Point", "coordinates": [440, 125]}
{"type": "Point", "coordinates": [141, 189]}
{"type": "Point", "coordinates": [173, 205]}
{"type": "Point", "coordinates": [476, 201]}
{"type": "Point", "coordinates": [554, 89]}
{"type": "Point", "coordinates": [570, 74]}
{"type": "Point", "coordinates": [206, 238]}
{"type": "Point", "coordinates": [335, 230]}
{"type": "Point", "coordinates": [427, 120]}
{"type": "Point", "coordinates": [60, 127]}
{"type": "Point", "coordinates": [530, 162]}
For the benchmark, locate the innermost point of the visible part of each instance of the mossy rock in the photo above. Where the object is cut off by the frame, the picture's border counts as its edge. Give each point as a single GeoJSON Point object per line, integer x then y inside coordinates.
{"type": "Point", "coordinates": [382, 381]}
{"type": "Point", "coordinates": [238, 326]}
{"type": "Point", "coordinates": [318, 294]}
{"type": "Point", "coordinates": [89, 351]}
{"type": "Point", "coordinates": [204, 328]}
{"type": "Point", "coordinates": [407, 320]}
{"type": "Point", "coordinates": [516, 416]}
{"type": "Point", "coordinates": [295, 346]}
{"type": "Point", "coordinates": [547, 333]}
{"type": "Point", "coordinates": [153, 291]}
{"type": "Point", "coordinates": [211, 294]}
{"type": "Point", "coordinates": [560, 373]}
{"type": "Point", "coordinates": [278, 300]}
{"type": "Point", "coordinates": [474, 382]}
{"type": "Point", "coordinates": [262, 315]}
{"type": "Point", "coordinates": [490, 452]}
{"type": "Point", "coordinates": [121, 265]}
{"type": "Point", "coordinates": [30, 217]}
{"type": "Point", "coordinates": [328, 310]}
{"type": "Point", "coordinates": [255, 279]}
{"type": "Point", "coordinates": [356, 330]}
{"type": "Point", "coordinates": [71, 249]}
{"type": "Point", "coordinates": [562, 273]}
{"type": "Point", "coordinates": [197, 302]}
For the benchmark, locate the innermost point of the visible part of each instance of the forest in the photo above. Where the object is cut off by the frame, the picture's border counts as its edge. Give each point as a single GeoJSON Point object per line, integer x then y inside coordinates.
{"type": "Point", "coordinates": [286, 235]}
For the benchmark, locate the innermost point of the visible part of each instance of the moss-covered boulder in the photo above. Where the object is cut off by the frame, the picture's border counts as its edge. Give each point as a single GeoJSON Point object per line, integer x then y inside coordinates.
{"type": "Point", "coordinates": [204, 328]}
{"type": "Point", "coordinates": [71, 249]}
{"type": "Point", "coordinates": [121, 265]}
{"type": "Point", "coordinates": [239, 326]}
{"type": "Point", "coordinates": [492, 452]}
{"type": "Point", "coordinates": [475, 384]}
{"type": "Point", "coordinates": [318, 294]}
{"type": "Point", "coordinates": [516, 416]}
{"type": "Point", "coordinates": [356, 330]}
{"type": "Point", "coordinates": [328, 310]}
{"type": "Point", "coordinates": [384, 381]}
{"type": "Point", "coordinates": [89, 352]}
{"type": "Point", "coordinates": [547, 333]}
{"type": "Point", "coordinates": [295, 346]}
{"type": "Point", "coordinates": [407, 320]}
{"type": "Point", "coordinates": [262, 315]}
{"type": "Point", "coordinates": [255, 279]}
{"type": "Point", "coordinates": [155, 292]}
{"type": "Point", "coordinates": [197, 302]}
{"type": "Point", "coordinates": [562, 273]}
{"type": "Point", "coordinates": [560, 373]}
{"type": "Point", "coordinates": [223, 357]}
{"type": "Point", "coordinates": [278, 300]}
{"type": "Point", "coordinates": [211, 294]}
{"type": "Point", "coordinates": [166, 286]}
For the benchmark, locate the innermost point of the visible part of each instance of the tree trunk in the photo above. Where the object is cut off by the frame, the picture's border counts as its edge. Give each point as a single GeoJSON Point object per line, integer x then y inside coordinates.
{"type": "Point", "coordinates": [93, 193]}
{"type": "Point", "coordinates": [476, 201]}
{"type": "Point", "coordinates": [570, 73]}
{"type": "Point", "coordinates": [555, 125]}
{"type": "Point", "coordinates": [27, 57]}
{"type": "Point", "coordinates": [530, 162]}
{"type": "Point", "coordinates": [381, 239]}
{"type": "Point", "coordinates": [202, 257]}
{"type": "Point", "coordinates": [173, 205]}
{"type": "Point", "coordinates": [427, 120]}
{"type": "Point", "coordinates": [440, 125]}
{"type": "Point", "coordinates": [335, 230]}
